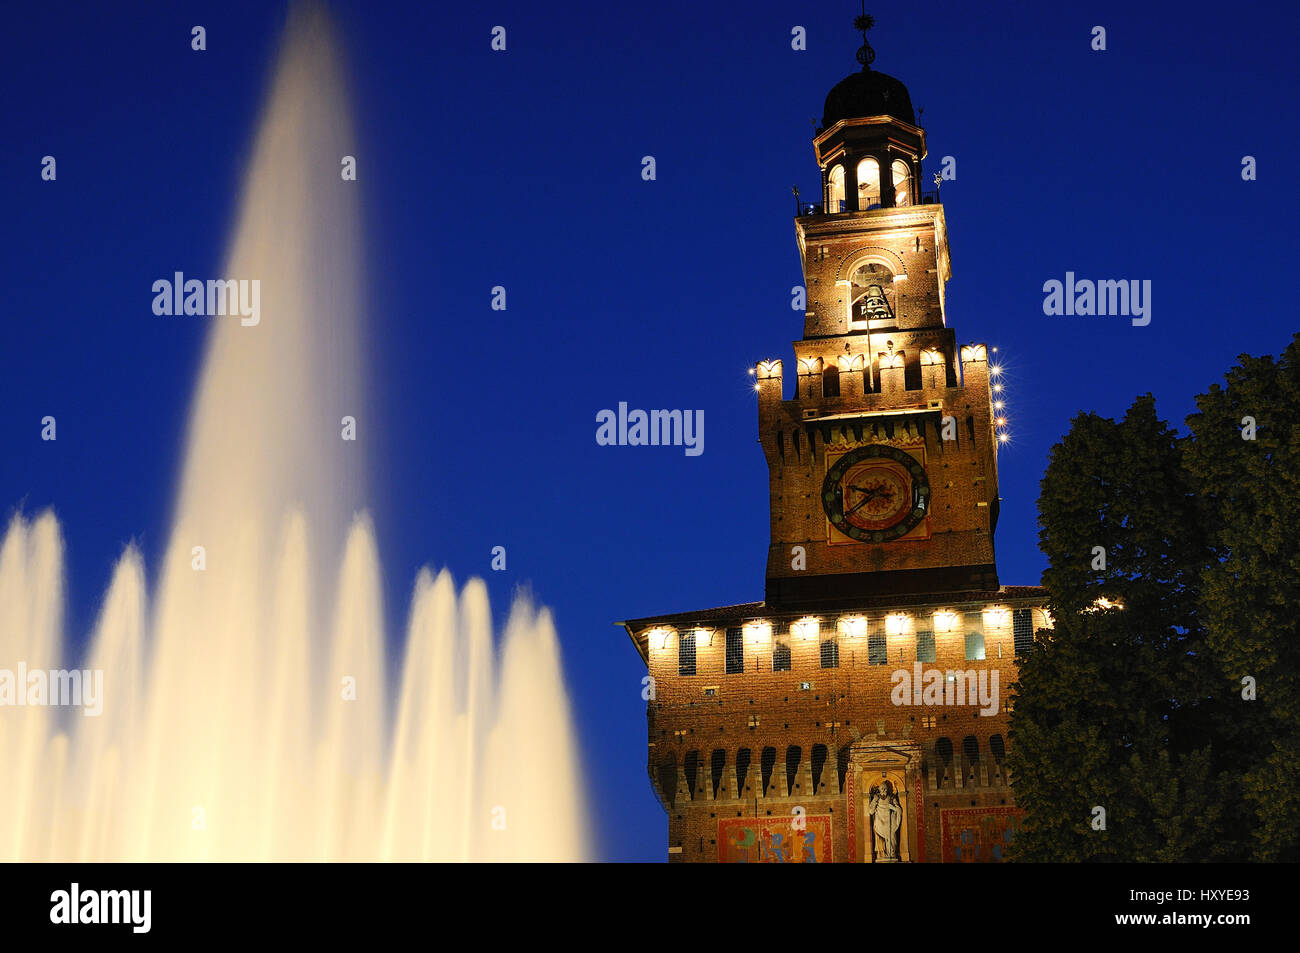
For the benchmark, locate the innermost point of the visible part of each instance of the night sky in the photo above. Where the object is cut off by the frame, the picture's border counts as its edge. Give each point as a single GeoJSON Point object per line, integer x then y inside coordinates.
{"type": "Point", "coordinates": [523, 169]}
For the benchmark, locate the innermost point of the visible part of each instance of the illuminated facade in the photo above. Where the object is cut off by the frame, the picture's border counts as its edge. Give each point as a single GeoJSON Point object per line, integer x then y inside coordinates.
{"type": "Point", "coordinates": [859, 712]}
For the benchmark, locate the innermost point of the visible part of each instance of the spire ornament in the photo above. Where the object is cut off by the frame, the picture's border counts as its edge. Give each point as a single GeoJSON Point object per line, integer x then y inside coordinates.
{"type": "Point", "coordinates": [863, 23]}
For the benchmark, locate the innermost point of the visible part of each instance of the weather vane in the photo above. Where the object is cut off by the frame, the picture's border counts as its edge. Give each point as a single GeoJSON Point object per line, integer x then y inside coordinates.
{"type": "Point", "coordinates": [863, 23]}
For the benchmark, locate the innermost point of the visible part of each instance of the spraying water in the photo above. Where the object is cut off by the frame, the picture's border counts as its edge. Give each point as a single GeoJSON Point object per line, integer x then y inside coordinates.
{"type": "Point", "coordinates": [246, 714]}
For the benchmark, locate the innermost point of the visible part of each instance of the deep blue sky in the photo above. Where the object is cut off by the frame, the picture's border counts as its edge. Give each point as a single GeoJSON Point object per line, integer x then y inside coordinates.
{"type": "Point", "coordinates": [522, 169]}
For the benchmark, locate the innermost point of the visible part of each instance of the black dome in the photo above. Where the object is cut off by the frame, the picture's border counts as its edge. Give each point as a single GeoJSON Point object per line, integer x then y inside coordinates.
{"type": "Point", "coordinates": [867, 93]}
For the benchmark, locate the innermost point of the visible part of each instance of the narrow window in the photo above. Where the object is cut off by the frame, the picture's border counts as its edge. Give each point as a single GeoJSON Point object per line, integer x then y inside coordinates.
{"type": "Point", "coordinates": [1022, 629]}
{"type": "Point", "coordinates": [830, 653]}
{"type": "Point", "coordinates": [735, 650]}
{"type": "Point", "coordinates": [686, 654]}
{"type": "Point", "coordinates": [971, 749]}
{"type": "Point", "coordinates": [974, 637]}
{"type": "Point", "coordinates": [877, 649]}
{"type": "Point", "coordinates": [925, 646]}
{"type": "Point", "coordinates": [781, 656]}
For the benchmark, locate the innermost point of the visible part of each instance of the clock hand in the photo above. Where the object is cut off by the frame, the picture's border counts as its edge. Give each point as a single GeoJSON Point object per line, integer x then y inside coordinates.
{"type": "Point", "coordinates": [861, 503]}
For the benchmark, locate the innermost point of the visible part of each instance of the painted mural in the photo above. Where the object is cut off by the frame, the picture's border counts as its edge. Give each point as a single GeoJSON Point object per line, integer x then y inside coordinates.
{"type": "Point", "coordinates": [979, 835]}
{"type": "Point", "coordinates": [775, 840]}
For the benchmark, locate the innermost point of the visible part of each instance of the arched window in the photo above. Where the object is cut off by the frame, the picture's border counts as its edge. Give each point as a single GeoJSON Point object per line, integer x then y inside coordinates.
{"type": "Point", "coordinates": [998, 747]}
{"type": "Point", "coordinates": [835, 190]}
{"type": "Point", "coordinates": [743, 757]}
{"type": "Point", "coordinates": [943, 748]}
{"type": "Point", "coordinates": [831, 381]}
{"type": "Point", "coordinates": [868, 184]}
{"type": "Point", "coordinates": [902, 176]}
{"type": "Point", "coordinates": [970, 747]}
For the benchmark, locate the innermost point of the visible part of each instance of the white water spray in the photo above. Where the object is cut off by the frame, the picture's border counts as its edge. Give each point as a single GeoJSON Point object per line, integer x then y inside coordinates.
{"type": "Point", "coordinates": [247, 714]}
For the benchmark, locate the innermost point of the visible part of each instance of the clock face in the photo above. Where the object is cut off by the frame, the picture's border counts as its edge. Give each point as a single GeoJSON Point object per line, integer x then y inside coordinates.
{"type": "Point", "coordinates": [875, 494]}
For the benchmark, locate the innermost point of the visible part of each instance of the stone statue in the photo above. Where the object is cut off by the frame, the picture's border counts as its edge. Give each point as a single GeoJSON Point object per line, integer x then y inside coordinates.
{"type": "Point", "coordinates": [886, 820]}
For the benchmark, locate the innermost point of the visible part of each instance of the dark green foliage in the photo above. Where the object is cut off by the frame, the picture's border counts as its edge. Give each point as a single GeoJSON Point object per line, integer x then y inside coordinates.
{"type": "Point", "coordinates": [1251, 597]}
{"type": "Point", "coordinates": [1137, 708]}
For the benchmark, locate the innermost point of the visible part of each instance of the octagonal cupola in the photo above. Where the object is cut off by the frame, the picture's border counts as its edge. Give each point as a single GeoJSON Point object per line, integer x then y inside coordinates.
{"type": "Point", "coordinates": [869, 146]}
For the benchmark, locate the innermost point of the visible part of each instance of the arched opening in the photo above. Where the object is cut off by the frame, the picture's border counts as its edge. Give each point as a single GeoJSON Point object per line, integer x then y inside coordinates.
{"type": "Point", "coordinates": [868, 184]}
{"type": "Point", "coordinates": [691, 767]}
{"type": "Point", "coordinates": [998, 747]}
{"type": "Point", "coordinates": [793, 756]}
{"type": "Point", "coordinates": [831, 381]}
{"type": "Point", "coordinates": [902, 176]}
{"type": "Point", "coordinates": [943, 751]}
{"type": "Point", "coordinates": [766, 764]}
{"type": "Point", "coordinates": [716, 764]}
{"type": "Point", "coordinates": [743, 757]}
{"type": "Point", "coordinates": [819, 755]}
{"type": "Point", "coordinates": [668, 779]}
{"type": "Point", "coordinates": [835, 190]}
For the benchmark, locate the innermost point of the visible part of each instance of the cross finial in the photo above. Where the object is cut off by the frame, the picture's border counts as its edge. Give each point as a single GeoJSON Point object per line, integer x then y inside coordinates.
{"type": "Point", "coordinates": [862, 24]}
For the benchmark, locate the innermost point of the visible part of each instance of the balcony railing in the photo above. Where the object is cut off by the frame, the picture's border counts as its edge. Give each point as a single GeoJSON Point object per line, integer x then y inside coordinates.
{"type": "Point", "coordinates": [806, 208]}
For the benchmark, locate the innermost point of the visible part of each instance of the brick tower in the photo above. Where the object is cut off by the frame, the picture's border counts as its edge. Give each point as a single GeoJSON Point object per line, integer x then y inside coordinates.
{"type": "Point", "coordinates": [859, 712]}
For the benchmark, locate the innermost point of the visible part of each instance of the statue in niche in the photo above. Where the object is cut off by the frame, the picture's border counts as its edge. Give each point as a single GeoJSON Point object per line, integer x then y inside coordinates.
{"type": "Point", "coordinates": [886, 820]}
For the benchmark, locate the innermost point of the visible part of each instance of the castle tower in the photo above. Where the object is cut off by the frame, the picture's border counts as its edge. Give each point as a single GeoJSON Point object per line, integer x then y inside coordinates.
{"type": "Point", "coordinates": [884, 464]}
{"type": "Point", "coordinates": [859, 712]}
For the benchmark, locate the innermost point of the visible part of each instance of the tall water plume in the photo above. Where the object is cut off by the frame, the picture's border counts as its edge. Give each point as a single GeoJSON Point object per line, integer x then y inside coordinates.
{"type": "Point", "coordinates": [246, 712]}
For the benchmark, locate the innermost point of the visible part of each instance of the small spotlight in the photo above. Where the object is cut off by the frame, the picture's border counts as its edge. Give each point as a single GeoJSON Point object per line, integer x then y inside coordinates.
{"type": "Point", "coordinates": [997, 405]}
{"type": "Point", "coordinates": [756, 387]}
{"type": "Point", "coordinates": [751, 372]}
{"type": "Point", "coordinates": [997, 388]}
{"type": "Point", "coordinates": [1003, 438]}
{"type": "Point", "coordinates": [995, 370]}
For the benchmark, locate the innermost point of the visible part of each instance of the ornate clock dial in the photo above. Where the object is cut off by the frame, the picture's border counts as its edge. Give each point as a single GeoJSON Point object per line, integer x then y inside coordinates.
{"type": "Point", "coordinates": [875, 494]}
